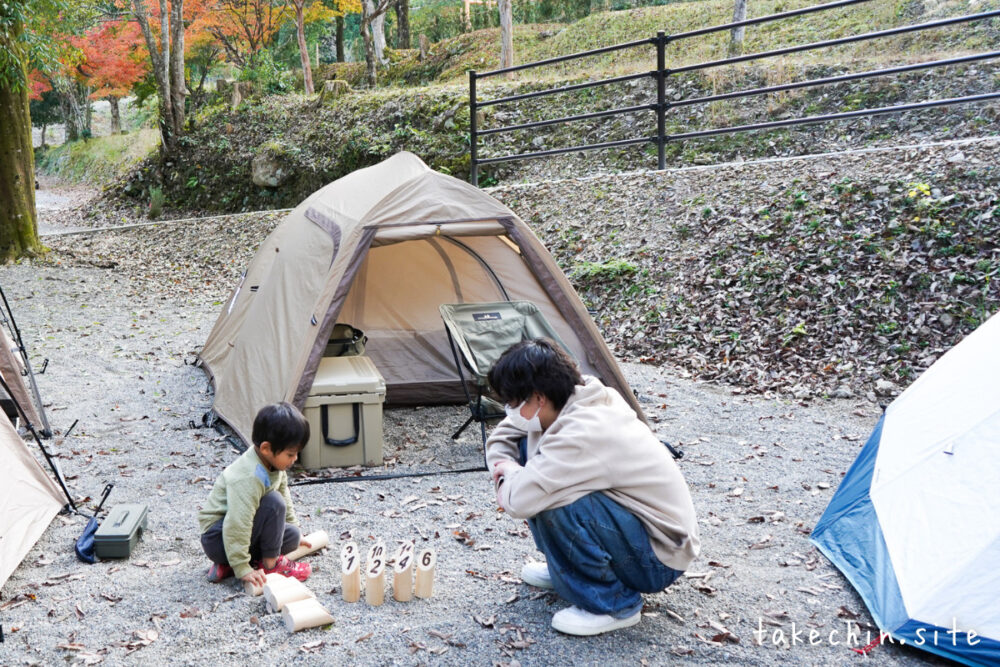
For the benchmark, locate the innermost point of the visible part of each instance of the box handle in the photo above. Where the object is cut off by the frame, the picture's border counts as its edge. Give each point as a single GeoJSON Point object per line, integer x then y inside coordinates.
{"type": "Point", "coordinates": [325, 423]}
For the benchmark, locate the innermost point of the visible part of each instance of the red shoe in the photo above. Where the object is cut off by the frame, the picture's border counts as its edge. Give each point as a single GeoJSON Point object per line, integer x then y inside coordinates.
{"type": "Point", "coordinates": [217, 572]}
{"type": "Point", "coordinates": [287, 568]}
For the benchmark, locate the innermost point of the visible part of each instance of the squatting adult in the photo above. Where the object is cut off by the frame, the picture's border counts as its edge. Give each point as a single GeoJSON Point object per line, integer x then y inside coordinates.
{"type": "Point", "coordinates": [605, 501]}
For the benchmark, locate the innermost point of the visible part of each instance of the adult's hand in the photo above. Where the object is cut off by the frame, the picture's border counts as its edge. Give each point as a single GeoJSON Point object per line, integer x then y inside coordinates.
{"type": "Point", "coordinates": [503, 469]}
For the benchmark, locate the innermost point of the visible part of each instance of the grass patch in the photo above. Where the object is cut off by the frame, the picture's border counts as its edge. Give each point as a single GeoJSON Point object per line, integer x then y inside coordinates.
{"type": "Point", "coordinates": [449, 60]}
{"type": "Point", "coordinates": [603, 271]}
{"type": "Point", "coordinates": [100, 160]}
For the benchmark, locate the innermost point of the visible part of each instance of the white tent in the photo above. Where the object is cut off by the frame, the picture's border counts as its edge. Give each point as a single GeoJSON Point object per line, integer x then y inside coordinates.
{"type": "Point", "coordinates": [915, 525]}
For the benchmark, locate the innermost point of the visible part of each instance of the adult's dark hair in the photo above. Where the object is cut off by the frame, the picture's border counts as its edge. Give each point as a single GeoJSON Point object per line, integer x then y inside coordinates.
{"type": "Point", "coordinates": [535, 365]}
{"type": "Point", "coordinates": [282, 425]}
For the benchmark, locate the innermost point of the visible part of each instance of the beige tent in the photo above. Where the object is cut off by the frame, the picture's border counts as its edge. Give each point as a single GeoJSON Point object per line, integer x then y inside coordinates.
{"type": "Point", "coordinates": [381, 249]}
{"type": "Point", "coordinates": [12, 371]}
{"type": "Point", "coordinates": [28, 500]}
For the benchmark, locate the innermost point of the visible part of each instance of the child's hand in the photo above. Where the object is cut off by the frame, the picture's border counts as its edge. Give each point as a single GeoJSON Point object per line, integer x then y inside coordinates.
{"type": "Point", "coordinates": [304, 543]}
{"type": "Point", "coordinates": [255, 577]}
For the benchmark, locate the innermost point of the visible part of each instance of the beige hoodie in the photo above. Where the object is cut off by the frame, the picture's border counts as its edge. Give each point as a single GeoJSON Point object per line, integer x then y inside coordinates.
{"type": "Point", "coordinates": [597, 443]}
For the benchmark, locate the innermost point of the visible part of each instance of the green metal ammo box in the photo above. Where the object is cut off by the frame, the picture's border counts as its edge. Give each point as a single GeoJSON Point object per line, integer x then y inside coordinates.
{"type": "Point", "coordinates": [120, 531]}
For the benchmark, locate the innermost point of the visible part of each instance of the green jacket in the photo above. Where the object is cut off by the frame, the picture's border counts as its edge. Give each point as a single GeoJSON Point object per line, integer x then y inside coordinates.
{"type": "Point", "coordinates": [235, 498]}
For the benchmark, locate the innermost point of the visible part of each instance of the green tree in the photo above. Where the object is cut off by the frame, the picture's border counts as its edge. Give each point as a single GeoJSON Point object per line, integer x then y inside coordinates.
{"type": "Point", "coordinates": [25, 30]}
{"type": "Point", "coordinates": [45, 111]}
{"type": "Point", "coordinates": [18, 225]}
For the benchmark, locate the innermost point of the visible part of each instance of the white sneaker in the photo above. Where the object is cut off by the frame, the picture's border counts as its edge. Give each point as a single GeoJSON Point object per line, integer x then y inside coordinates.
{"type": "Point", "coordinates": [576, 621]}
{"type": "Point", "coordinates": [536, 574]}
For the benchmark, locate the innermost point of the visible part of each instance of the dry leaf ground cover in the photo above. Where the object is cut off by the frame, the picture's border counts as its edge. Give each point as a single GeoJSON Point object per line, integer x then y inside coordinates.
{"type": "Point", "coordinates": [841, 275]}
{"type": "Point", "coordinates": [120, 315]}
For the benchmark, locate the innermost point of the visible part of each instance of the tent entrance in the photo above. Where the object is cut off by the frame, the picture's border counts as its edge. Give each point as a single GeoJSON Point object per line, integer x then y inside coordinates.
{"type": "Point", "coordinates": [394, 298]}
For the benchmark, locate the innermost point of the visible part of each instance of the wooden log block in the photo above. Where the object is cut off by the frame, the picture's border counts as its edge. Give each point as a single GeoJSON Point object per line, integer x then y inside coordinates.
{"type": "Point", "coordinates": [318, 540]}
{"type": "Point", "coordinates": [426, 561]}
{"type": "Point", "coordinates": [402, 573]}
{"type": "Point", "coordinates": [280, 594]}
{"type": "Point", "coordinates": [302, 614]}
{"type": "Point", "coordinates": [375, 575]}
{"type": "Point", "coordinates": [253, 590]}
{"type": "Point", "coordinates": [350, 572]}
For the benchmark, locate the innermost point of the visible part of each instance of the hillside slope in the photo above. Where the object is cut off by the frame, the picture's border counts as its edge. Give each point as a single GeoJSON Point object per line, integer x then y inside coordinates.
{"type": "Point", "coordinates": [834, 275]}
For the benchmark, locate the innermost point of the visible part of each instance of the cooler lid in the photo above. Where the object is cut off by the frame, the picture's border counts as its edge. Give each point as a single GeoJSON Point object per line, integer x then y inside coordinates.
{"type": "Point", "coordinates": [347, 375]}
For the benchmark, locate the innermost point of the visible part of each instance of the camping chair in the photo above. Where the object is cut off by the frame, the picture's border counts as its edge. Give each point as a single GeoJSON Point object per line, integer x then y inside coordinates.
{"type": "Point", "coordinates": [478, 334]}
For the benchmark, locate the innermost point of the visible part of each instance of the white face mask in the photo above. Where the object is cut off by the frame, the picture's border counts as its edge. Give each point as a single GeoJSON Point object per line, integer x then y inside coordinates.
{"type": "Point", "coordinates": [533, 425]}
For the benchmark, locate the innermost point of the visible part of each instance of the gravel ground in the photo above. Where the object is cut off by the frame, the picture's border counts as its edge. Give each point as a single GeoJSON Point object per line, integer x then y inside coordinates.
{"type": "Point", "coordinates": [761, 472]}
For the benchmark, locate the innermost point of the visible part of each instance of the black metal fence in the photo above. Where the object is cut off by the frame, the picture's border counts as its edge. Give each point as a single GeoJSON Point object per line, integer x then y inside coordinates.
{"type": "Point", "coordinates": [660, 74]}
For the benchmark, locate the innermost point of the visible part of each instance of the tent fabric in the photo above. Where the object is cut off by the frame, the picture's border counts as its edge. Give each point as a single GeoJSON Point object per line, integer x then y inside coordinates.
{"type": "Point", "coordinates": [29, 499]}
{"type": "Point", "coordinates": [381, 249]}
{"type": "Point", "coordinates": [913, 525]}
{"type": "Point", "coordinates": [12, 372]}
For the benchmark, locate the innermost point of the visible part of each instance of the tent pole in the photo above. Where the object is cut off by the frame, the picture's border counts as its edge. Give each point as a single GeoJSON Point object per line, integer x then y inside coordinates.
{"type": "Point", "coordinates": [48, 457]}
{"type": "Point", "coordinates": [46, 429]}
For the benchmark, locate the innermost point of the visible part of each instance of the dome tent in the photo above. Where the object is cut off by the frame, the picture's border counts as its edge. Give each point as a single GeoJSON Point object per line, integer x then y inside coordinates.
{"type": "Point", "coordinates": [913, 525]}
{"type": "Point", "coordinates": [381, 249]}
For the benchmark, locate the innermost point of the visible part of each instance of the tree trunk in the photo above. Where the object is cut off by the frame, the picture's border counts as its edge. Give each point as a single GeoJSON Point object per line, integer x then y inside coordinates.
{"type": "Point", "coordinates": [116, 119]}
{"type": "Point", "coordinates": [178, 87]}
{"type": "Point", "coordinates": [168, 71]}
{"type": "Point", "coordinates": [340, 39]}
{"type": "Point", "coordinates": [506, 8]}
{"type": "Point", "coordinates": [402, 24]}
{"type": "Point", "coordinates": [71, 108]}
{"type": "Point", "coordinates": [18, 232]}
{"type": "Point", "coordinates": [366, 37]}
{"type": "Point", "coordinates": [378, 33]}
{"type": "Point", "coordinates": [736, 34]}
{"type": "Point", "coordinates": [88, 111]}
{"type": "Point", "coordinates": [44, 126]}
{"type": "Point", "coordinates": [71, 120]}
{"type": "Point", "coordinates": [300, 33]}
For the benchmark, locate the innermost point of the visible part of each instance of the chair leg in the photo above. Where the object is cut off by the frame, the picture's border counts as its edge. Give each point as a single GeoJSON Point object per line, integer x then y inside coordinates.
{"type": "Point", "coordinates": [482, 426]}
{"type": "Point", "coordinates": [454, 436]}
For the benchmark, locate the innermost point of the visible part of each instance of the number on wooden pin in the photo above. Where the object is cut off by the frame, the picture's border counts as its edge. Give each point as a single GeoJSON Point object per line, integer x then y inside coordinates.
{"type": "Point", "coordinates": [350, 568]}
{"type": "Point", "coordinates": [375, 575]}
{"type": "Point", "coordinates": [402, 573]}
{"type": "Point", "coordinates": [425, 573]}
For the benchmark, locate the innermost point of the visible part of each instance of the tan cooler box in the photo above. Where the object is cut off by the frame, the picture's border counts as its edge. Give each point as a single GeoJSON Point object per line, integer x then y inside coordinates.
{"type": "Point", "coordinates": [344, 410]}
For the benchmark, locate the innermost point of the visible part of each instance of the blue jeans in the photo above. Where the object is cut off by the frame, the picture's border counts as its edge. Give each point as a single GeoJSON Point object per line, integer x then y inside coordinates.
{"type": "Point", "coordinates": [599, 555]}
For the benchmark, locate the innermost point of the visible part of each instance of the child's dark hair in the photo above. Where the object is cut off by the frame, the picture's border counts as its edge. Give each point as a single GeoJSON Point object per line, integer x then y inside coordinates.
{"type": "Point", "coordinates": [282, 425]}
{"type": "Point", "coordinates": [535, 365]}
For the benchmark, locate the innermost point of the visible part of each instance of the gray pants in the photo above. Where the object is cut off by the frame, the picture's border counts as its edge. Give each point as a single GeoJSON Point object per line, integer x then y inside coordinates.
{"type": "Point", "coordinates": [270, 536]}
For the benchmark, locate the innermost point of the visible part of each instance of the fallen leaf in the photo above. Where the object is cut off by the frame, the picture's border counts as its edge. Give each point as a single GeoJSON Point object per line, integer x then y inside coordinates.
{"type": "Point", "coordinates": [486, 622]}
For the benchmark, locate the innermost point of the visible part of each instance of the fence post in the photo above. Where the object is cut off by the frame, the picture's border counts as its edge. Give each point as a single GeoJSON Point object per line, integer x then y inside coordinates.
{"type": "Point", "coordinates": [473, 165]}
{"type": "Point", "coordinates": [661, 100]}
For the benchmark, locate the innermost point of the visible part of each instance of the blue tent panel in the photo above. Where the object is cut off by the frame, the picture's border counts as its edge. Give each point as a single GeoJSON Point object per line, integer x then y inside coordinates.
{"type": "Point", "coordinates": [984, 653]}
{"type": "Point", "coordinates": [849, 535]}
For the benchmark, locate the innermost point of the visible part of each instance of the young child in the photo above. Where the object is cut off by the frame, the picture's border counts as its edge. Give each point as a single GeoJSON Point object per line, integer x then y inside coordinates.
{"type": "Point", "coordinates": [248, 523]}
{"type": "Point", "coordinates": [605, 501]}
